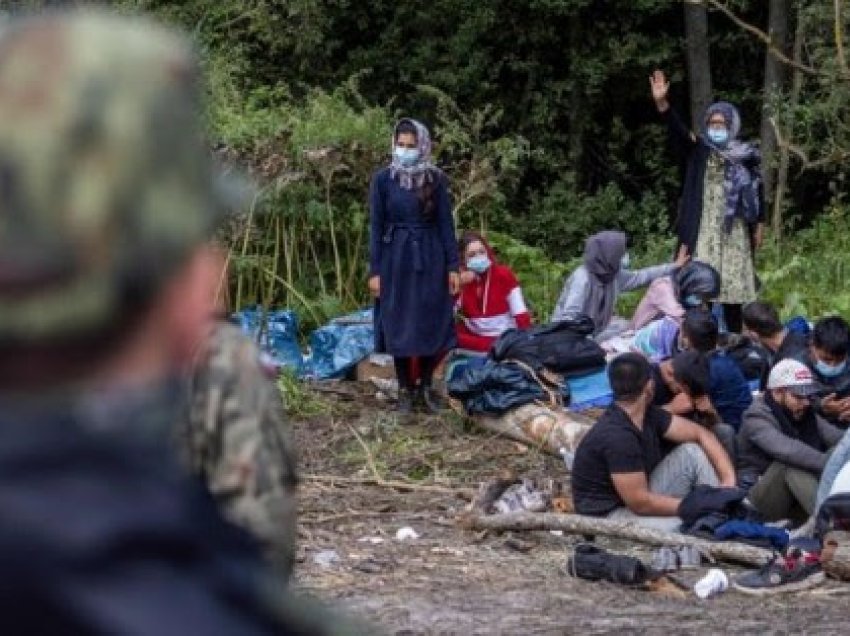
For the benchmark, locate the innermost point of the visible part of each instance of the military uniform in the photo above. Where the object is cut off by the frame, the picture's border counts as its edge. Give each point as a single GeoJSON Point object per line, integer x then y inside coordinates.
{"type": "Point", "coordinates": [106, 194]}
{"type": "Point", "coordinates": [236, 438]}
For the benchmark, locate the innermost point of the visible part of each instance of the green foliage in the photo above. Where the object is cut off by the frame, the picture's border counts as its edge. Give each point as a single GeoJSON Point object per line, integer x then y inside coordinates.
{"type": "Point", "coordinates": [565, 217]}
{"type": "Point", "coordinates": [540, 277]}
{"type": "Point", "coordinates": [809, 274]}
{"type": "Point", "coordinates": [542, 119]}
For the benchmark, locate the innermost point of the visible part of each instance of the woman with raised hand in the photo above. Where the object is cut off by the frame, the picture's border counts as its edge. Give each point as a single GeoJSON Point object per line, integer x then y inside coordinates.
{"type": "Point", "coordinates": [413, 266]}
{"type": "Point", "coordinates": [721, 212]}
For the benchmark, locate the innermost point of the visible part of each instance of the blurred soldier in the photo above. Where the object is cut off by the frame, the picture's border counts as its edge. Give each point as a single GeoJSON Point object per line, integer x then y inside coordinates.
{"type": "Point", "coordinates": [107, 200]}
{"type": "Point", "coordinates": [237, 440]}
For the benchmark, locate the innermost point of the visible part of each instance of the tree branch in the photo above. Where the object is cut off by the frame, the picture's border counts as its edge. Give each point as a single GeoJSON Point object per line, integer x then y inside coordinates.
{"type": "Point", "coordinates": [579, 524]}
{"type": "Point", "coordinates": [764, 37]}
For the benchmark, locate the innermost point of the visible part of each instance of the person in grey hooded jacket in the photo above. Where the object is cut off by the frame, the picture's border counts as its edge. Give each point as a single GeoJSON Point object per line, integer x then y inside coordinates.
{"type": "Point", "coordinates": [593, 288]}
{"type": "Point", "coordinates": [783, 444]}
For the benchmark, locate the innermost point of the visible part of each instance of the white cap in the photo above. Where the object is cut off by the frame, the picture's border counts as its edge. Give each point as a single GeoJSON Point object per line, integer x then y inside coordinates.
{"type": "Point", "coordinates": [794, 375]}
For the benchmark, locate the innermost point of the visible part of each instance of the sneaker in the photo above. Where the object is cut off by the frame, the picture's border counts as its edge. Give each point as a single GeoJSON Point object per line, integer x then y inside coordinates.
{"type": "Point", "coordinates": [791, 573]}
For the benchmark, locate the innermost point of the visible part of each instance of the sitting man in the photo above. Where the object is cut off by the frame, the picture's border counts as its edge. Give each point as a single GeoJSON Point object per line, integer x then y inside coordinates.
{"type": "Point", "coordinates": [783, 444]}
{"type": "Point", "coordinates": [828, 361]}
{"type": "Point", "coordinates": [729, 390]}
{"type": "Point", "coordinates": [638, 461]}
{"type": "Point", "coordinates": [682, 387]}
{"type": "Point", "coordinates": [763, 327]}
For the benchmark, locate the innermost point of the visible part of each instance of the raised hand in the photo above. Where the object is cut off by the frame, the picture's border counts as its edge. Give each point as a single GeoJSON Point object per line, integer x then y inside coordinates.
{"type": "Point", "coordinates": [682, 257]}
{"type": "Point", "coordinates": [659, 86]}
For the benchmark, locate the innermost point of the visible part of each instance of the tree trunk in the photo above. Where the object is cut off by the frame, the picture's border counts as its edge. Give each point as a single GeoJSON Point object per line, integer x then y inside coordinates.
{"type": "Point", "coordinates": [774, 80]}
{"type": "Point", "coordinates": [547, 428]}
{"type": "Point", "coordinates": [578, 524]}
{"type": "Point", "coordinates": [699, 59]}
{"type": "Point", "coordinates": [784, 154]}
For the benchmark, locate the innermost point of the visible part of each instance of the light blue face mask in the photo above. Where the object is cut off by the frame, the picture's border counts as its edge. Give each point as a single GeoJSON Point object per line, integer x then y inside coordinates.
{"type": "Point", "coordinates": [829, 370]}
{"type": "Point", "coordinates": [719, 136]}
{"type": "Point", "coordinates": [406, 156]}
{"type": "Point", "coordinates": [625, 261]}
{"type": "Point", "coordinates": [478, 264]}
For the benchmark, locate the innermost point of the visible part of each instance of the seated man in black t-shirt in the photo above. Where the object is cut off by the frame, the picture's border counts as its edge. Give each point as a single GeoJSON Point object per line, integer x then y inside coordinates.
{"type": "Point", "coordinates": [638, 461]}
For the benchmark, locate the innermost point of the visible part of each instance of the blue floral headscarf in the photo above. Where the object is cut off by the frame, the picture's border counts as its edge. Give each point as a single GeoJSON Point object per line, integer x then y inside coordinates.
{"type": "Point", "coordinates": [741, 170]}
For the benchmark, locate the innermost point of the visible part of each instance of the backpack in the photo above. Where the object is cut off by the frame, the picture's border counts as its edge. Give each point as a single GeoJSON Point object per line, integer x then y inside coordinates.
{"type": "Point", "coordinates": [564, 347]}
{"type": "Point", "coordinates": [753, 360]}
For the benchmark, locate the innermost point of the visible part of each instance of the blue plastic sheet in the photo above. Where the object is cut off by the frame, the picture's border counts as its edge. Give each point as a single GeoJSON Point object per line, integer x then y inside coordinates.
{"type": "Point", "coordinates": [339, 345]}
{"type": "Point", "coordinates": [590, 391]}
{"type": "Point", "coordinates": [279, 337]}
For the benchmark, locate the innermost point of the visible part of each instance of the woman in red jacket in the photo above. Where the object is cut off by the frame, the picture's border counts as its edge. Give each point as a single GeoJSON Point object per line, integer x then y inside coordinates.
{"type": "Point", "coordinates": [490, 300]}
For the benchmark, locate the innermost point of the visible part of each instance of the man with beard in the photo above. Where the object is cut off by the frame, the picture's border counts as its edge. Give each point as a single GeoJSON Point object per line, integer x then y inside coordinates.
{"type": "Point", "coordinates": [784, 444]}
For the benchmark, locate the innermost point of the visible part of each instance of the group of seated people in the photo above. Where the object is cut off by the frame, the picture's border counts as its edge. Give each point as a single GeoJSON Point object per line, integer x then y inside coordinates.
{"type": "Point", "coordinates": [685, 413]}
{"type": "Point", "coordinates": [644, 456]}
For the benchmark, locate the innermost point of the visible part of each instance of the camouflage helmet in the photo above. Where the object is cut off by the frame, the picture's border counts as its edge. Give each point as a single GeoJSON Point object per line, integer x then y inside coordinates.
{"type": "Point", "coordinates": [106, 184]}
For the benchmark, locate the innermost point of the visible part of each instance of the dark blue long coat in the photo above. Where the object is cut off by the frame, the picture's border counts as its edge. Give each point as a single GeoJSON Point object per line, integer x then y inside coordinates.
{"type": "Point", "coordinates": [414, 315]}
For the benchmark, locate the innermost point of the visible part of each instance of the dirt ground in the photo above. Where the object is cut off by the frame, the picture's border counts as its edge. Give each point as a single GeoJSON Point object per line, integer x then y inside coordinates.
{"type": "Point", "coordinates": [367, 474]}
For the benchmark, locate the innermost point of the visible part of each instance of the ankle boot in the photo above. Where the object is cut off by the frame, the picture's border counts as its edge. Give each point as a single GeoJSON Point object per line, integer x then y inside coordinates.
{"type": "Point", "coordinates": [405, 401]}
{"type": "Point", "coordinates": [431, 400]}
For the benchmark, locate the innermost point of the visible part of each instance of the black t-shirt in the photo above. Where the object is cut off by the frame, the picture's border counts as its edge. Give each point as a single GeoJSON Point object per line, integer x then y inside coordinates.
{"type": "Point", "coordinates": [615, 445]}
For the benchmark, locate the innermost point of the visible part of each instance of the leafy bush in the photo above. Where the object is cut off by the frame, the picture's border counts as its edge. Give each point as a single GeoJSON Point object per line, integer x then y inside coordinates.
{"type": "Point", "coordinates": [807, 274]}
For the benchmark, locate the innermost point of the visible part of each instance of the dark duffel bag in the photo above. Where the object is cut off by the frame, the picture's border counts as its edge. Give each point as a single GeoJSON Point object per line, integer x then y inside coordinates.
{"type": "Point", "coordinates": [564, 347]}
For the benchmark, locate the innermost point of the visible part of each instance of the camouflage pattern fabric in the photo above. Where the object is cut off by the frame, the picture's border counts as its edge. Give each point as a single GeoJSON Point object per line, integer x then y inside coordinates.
{"type": "Point", "coordinates": [237, 440]}
{"type": "Point", "coordinates": [105, 180]}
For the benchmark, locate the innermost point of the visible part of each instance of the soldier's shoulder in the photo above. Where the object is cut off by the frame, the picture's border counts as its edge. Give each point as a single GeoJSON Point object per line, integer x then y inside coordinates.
{"type": "Point", "coordinates": [229, 348]}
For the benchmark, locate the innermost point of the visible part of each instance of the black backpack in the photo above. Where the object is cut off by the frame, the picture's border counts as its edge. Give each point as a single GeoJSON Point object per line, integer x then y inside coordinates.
{"type": "Point", "coordinates": [753, 360]}
{"type": "Point", "coordinates": [564, 347]}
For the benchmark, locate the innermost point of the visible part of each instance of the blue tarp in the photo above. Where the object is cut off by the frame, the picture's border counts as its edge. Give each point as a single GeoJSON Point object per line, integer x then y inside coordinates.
{"type": "Point", "coordinates": [339, 345]}
{"type": "Point", "coordinates": [334, 348]}
{"type": "Point", "coordinates": [279, 338]}
{"type": "Point", "coordinates": [590, 391]}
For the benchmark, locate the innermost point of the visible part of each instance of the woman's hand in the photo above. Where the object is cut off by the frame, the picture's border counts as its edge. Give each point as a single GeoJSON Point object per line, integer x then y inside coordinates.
{"type": "Point", "coordinates": [682, 256]}
{"type": "Point", "coordinates": [466, 277]}
{"type": "Point", "coordinates": [375, 286]}
{"type": "Point", "coordinates": [659, 86]}
{"type": "Point", "coordinates": [454, 283]}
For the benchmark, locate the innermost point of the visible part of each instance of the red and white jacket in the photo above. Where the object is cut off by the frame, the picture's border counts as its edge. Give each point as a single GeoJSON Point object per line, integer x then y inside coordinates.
{"type": "Point", "coordinates": [490, 305]}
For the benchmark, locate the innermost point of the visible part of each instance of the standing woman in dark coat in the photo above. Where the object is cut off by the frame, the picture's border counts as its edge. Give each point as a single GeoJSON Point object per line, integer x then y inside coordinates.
{"type": "Point", "coordinates": [413, 270]}
{"type": "Point", "coordinates": [721, 213]}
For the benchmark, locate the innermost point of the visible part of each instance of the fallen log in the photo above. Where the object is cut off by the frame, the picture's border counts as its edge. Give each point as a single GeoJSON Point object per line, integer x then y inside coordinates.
{"type": "Point", "coordinates": [545, 427]}
{"type": "Point", "coordinates": [728, 551]}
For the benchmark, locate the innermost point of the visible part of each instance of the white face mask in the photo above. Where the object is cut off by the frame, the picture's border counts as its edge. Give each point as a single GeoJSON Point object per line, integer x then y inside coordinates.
{"type": "Point", "coordinates": [625, 261]}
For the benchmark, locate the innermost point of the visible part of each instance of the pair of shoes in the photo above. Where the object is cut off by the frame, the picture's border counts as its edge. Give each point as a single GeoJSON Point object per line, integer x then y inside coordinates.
{"type": "Point", "coordinates": [793, 572]}
{"type": "Point", "coordinates": [595, 564]}
{"type": "Point", "coordinates": [682, 557]}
